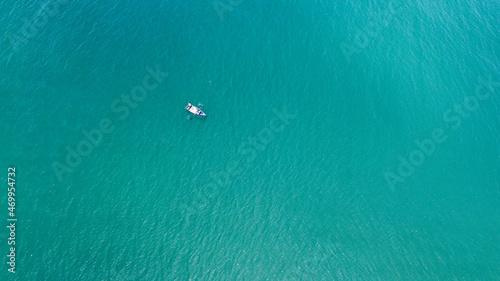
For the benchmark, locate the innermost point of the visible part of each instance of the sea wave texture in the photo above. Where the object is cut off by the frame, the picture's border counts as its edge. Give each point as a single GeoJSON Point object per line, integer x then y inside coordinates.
{"type": "Point", "coordinates": [305, 168]}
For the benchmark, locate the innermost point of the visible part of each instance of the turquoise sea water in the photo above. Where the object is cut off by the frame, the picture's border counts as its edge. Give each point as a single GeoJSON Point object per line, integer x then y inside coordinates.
{"type": "Point", "coordinates": [344, 141]}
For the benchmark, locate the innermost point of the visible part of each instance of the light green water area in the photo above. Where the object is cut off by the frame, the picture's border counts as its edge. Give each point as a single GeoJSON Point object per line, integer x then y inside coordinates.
{"type": "Point", "coordinates": [344, 140]}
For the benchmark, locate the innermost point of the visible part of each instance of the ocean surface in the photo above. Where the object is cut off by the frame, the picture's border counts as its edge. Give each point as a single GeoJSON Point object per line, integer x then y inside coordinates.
{"type": "Point", "coordinates": [344, 140]}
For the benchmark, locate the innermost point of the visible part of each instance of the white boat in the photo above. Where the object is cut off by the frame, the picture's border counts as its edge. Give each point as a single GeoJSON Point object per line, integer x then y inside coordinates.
{"type": "Point", "coordinates": [195, 110]}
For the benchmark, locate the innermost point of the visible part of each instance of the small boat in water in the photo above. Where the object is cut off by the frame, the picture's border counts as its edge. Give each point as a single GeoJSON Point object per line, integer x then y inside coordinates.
{"type": "Point", "coordinates": [195, 110]}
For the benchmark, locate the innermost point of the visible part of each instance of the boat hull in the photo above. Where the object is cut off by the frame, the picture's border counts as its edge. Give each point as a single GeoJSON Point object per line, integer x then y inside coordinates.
{"type": "Point", "coordinates": [196, 111]}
